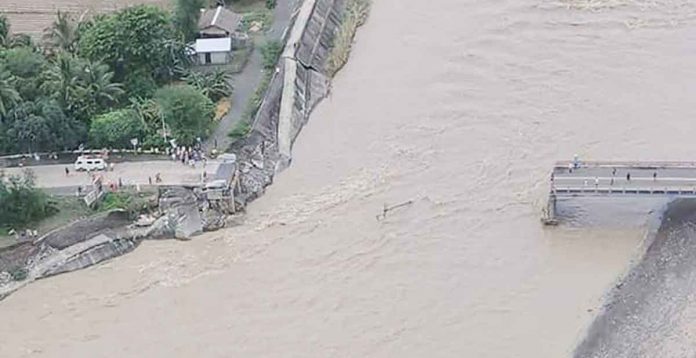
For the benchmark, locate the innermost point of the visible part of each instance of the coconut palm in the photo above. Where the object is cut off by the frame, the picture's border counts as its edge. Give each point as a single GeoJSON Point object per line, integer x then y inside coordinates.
{"type": "Point", "coordinates": [62, 34]}
{"type": "Point", "coordinates": [96, 81]}
{"type": "Point", "coordinates": [8, 94]}
{"type": "Point", "coordinates": [60, 80]}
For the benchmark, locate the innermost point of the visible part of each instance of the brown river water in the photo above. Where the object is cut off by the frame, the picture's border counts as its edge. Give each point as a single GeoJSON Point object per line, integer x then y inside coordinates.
{"type": "Point", "coordinates": [459, 106]}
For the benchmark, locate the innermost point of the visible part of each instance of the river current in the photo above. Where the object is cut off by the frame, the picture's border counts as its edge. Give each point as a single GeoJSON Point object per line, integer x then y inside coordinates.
{"type": "Point", "coordinates": [460, 108]}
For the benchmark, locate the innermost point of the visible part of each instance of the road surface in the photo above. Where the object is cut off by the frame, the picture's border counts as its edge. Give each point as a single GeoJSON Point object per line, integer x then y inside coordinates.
{"type": "Point", "coordinates": [132, 173]}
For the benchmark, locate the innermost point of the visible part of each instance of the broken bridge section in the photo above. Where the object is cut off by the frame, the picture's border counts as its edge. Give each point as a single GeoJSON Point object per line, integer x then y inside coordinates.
{"type": "Point", "coordinates": [575, 179]}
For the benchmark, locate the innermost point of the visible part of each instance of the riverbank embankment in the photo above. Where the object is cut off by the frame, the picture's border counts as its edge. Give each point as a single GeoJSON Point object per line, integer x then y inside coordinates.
{"type": "Point", "coordinates": [301, 80]}
{"type": "Point", "coordinates": [649, 312]}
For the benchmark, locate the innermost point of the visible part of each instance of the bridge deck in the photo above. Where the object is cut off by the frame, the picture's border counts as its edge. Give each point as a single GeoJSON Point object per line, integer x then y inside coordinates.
{"type": "Point", "coordinates": [619, 179]}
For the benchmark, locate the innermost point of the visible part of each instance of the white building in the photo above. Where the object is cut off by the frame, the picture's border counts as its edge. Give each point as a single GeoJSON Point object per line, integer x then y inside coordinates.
{"type": "Point", "coordinates": [218, 35]}
{"type": "Point", "coordinates": [213, 51]}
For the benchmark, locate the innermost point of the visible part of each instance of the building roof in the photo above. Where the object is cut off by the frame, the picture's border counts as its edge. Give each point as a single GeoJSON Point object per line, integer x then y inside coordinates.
{"type": "Point", "coordinates": [220, 18]}
{"type": "Point", "coordinates": [222, 44]}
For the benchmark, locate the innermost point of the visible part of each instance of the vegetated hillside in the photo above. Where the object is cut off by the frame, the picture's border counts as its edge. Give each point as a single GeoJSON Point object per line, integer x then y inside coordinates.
{"type": "Point", "coordinates": [32, 17]}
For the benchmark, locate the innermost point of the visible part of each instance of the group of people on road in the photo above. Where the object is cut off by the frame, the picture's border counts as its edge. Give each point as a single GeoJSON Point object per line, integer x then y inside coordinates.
{"type": "Point", "coordinates": [189, 155]}
{"type": "Point", "coordinates": [576, 164]}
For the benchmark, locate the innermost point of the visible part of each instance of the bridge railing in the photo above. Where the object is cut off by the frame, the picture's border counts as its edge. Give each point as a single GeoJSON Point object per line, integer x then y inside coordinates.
{"type": "Point", "coordinates": [627, 164]}
{"type": "Point", "coordinates": [622, 190]}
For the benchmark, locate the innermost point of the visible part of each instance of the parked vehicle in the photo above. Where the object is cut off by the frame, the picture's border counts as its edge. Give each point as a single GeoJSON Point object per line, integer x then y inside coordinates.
{"type": "Point", "coordinates": [89, 163]}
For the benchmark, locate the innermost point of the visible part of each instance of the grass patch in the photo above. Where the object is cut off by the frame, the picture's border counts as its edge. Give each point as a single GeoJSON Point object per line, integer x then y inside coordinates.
{"type": "Point", "coordinates": [356, 13]}
{"type": "Point", "coordinates": [130, 201]}
{"type": "Point", "coordinates": [270, 52]}
{"type": "Point", "coordinates": [240, 130]}
{"type": "Point", "coordinates": [69, 209]}
{"type": "Point", "coordinates": [262, 16]}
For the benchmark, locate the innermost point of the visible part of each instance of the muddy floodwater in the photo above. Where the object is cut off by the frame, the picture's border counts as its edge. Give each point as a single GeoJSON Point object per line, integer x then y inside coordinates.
{"type": "Point", "coordinates": [460, 107]}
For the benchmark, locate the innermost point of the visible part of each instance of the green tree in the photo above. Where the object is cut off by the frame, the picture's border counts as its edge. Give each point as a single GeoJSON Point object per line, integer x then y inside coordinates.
{"type": "Point", "coordinates": [60, 81]}
{"type": "Point", "coordinates": [23, 61]}
{"type": "Point", "coordinates": [41, 125]}
{"type": "Point", "coordinates": [62, 34]}
{"type": "Point", "coordinates": [186, 111]}
{"type": "Point", "coordinates": [84, 89]}
{"type": "Point", "coordinates": [8, 94]}
{"type": "Point", "coordinates": [116, 129]}
{"type": "Point", "coordinates": [21, 203]}
{"type": "Point", "coordinates": [186, 15]}
{"type": "Point", "coordinates": [133, 40]}
{"type": "Point", "coordinates": [96, 84]}
{"type": "Point", "coordinates": [215, 85]}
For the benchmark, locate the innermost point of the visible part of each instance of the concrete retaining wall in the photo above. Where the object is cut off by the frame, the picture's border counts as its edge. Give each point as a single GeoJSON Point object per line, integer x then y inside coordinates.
{"type": "Point", "coordinates": [299, 84]}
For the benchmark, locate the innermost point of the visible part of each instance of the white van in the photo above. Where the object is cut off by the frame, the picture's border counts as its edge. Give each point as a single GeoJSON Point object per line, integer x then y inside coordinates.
{"type": "Point", "coordinates": [89, 163]}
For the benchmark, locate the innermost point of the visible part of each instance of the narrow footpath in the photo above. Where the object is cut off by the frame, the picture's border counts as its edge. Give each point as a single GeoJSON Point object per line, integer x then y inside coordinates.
{"type": "Point", "coordinates": [246, 82]}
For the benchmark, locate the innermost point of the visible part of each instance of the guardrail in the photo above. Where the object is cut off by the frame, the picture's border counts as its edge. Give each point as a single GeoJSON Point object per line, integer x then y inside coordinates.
{"type": "Point", "coordinates": [632, 191]}
{"type": "Point", "coordinates": [626, 164]}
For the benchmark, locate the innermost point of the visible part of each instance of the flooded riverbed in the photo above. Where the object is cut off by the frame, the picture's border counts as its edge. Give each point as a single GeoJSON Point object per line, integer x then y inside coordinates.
{"type": "Point", "coordinates": [460, 107]}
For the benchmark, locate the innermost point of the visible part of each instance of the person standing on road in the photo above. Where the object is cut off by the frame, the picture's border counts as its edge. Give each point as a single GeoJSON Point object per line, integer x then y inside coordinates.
{"type": "Point", "coordinates": [628, 176]}
{"type": "Point", "coordinates": [67, 171]}
{"type": "Point", "coordinates": [596, 182]}
{"type": "Point", "coordinates": [654, 176]}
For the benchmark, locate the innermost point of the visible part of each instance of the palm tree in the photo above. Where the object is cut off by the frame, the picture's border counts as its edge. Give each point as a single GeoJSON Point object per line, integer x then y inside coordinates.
{"type": "Point", "coordinates": [8, 94]}
{"type": "Point", "coordinates": [62, 34]}
{"type": "Point", "coordinates": [60, 80]}
{"type": "Point", "coordinates": [96, 81]}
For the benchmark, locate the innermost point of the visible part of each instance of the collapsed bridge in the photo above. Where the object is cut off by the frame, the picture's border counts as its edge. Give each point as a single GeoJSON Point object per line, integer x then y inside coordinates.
{"type": "Point", "coordinates": [584, 179]}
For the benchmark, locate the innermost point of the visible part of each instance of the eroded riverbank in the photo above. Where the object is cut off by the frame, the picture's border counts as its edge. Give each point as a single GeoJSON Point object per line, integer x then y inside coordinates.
{"type": "Point", "coordinates": [461, 107]}
{"type": "Point", "coordinates": [650, 312]}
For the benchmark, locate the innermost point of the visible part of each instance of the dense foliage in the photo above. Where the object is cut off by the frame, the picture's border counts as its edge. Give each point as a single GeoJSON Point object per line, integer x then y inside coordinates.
{"type": "Point", "coordinates": [186, 14]}
{"type": "Point", "coordinates": [215, 85]}
{"type": "Point", "coordinates": [105, 81]}
{"type": "Point", "coordinates": [116, 129]}
{"type": "Point", "coordinates": [186, 111]}
{"type": "Point", "coordinates": [21, 203]}
{"type": "Point", "coordinates": [139, 39]}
